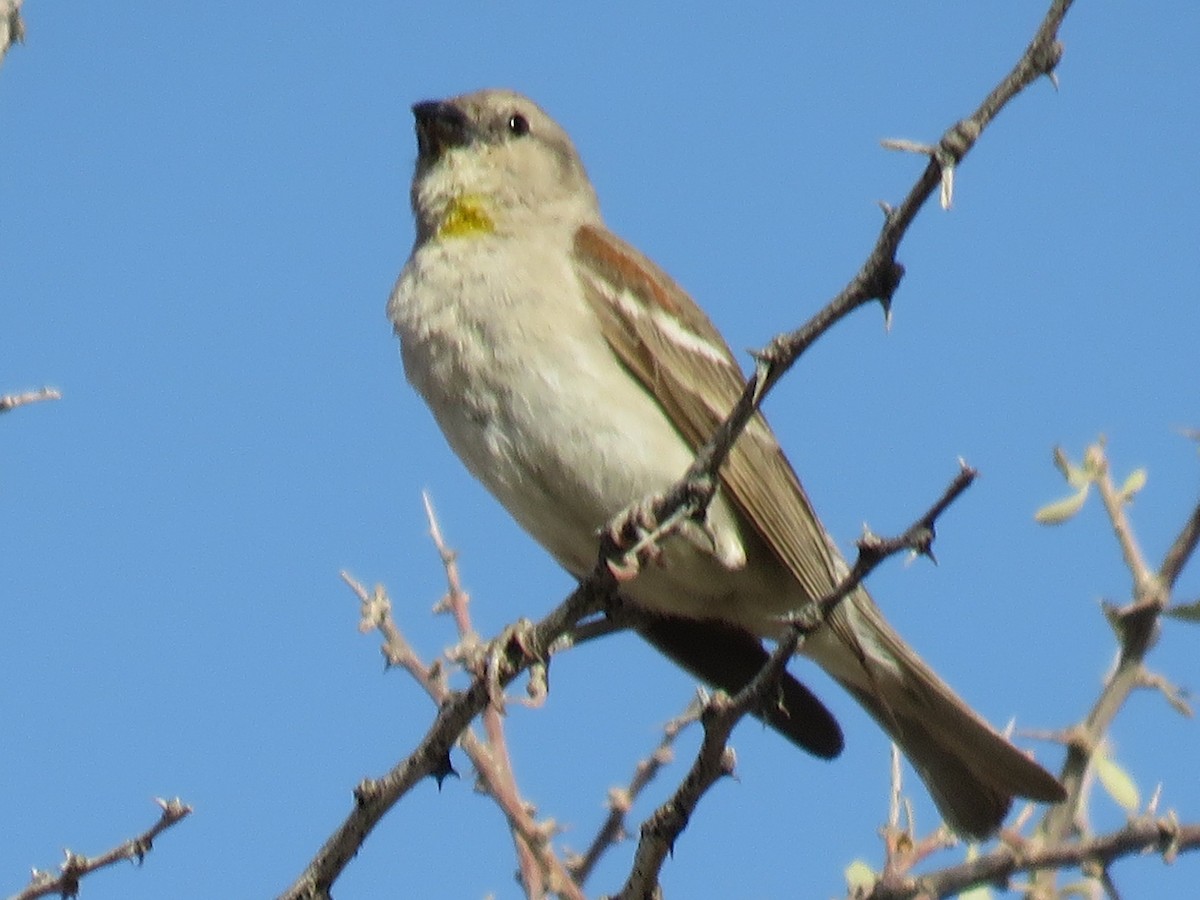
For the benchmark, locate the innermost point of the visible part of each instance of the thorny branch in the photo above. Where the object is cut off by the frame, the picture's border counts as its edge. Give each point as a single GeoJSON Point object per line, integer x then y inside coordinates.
{"type": "Point", "coordinates": [876, 280]}
{"type": "Point", "coordinates": [715, 759]}
{"type": "Point", "coordinates": [1164, 836]}
{"type": "Point", "coordinates": [1062, 839]}
{"type": "Point", "coordinates": [65, 883]}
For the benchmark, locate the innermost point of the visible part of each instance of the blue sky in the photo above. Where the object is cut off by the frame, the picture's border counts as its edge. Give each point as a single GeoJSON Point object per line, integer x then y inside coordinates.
{"type": "Point", "coordinates": [202, 212]}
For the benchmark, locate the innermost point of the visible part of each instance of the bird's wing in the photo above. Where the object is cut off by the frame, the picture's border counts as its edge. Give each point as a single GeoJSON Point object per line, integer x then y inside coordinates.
{"type": "Point", "coordinates": [671, 347]}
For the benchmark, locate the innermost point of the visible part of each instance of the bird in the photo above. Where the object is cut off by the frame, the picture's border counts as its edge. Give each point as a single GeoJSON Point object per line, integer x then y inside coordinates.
{"type": "Point", "coordinates": [572, 376]}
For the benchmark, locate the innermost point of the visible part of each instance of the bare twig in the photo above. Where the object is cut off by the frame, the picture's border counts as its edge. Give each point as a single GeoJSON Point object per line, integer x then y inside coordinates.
{"type": "Point", "coordinates": [1181, 550]}
{"type": "Point", "coordinates": [73, 869]}
{"type": "Point", "coordinates": [1114, 500]}
{"type": "Point", "coordinates": [540, 867]}
{"type": "Point", "coordinates": [1162, 835]}
{"type": "Point", "coordinates": [373, 798]}
{"type": "Point", "coordinates": [12, 401]}
{"type": "Point", "coordinates": [714, 759]}
{"type": "Point", "coordinates": [902, 850]}
{"type": "Point", "coordinates": [541, 870]}
{"type": "Point", "coordinates": [456, 600]}
{"type": "Point", "coordinates": [621, 799]}
{"type": "Point", "coordinates": [876, 280]}
{"type": "Point", "coordinates": [1137, 625]}
{"type": "Point", "coordinates": [878, 277]}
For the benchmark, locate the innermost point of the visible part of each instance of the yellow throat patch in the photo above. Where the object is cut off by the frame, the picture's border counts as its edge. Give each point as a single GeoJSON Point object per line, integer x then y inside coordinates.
{"type": "Point", "coordinates": [466, 216]}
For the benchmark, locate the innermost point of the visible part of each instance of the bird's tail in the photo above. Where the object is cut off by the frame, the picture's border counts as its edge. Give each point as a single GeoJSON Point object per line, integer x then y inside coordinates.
{"type": "Point", "coordinates": [972, 771]}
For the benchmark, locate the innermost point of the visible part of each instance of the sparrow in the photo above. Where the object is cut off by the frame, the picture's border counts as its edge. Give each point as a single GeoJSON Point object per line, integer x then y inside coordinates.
{"type": "Point", "coordinates": [573, 377]}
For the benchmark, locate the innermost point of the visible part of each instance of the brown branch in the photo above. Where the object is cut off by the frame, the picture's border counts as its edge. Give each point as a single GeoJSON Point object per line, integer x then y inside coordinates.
{"type": "Point", "coordinates": [1136, 625]}
{"type": "Point", "coordinates": [1181, 550]}
{"type": "Point", "coordinates": [374, 797]}
{"type": "Point", "coordinates": [1163, 835]}
{"type": "Point", "coordinates": [714, 759]}
{"type": "Point", "coordinates": [540, 867]}
{"type": "Point", "coordinates": [489, 757]}
{"type": "Point", "coordinates": [877, 279]}
{"type": "Point", "coordinates": [621, 799]}
{"type": "Point", "coordinates": [73, 869]}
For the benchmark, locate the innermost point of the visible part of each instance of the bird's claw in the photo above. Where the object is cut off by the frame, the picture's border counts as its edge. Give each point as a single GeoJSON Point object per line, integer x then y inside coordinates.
{"type": "Point", "coordinates": [635, 532]}
{"type": "Point", "coordinates": [489, 659]}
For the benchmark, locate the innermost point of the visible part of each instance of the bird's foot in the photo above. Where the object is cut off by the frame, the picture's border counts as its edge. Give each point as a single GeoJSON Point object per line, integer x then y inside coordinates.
{"type": "Point", "coordinates": [635, 533]}
{"type": "Point", "coordinates": [490, 659]}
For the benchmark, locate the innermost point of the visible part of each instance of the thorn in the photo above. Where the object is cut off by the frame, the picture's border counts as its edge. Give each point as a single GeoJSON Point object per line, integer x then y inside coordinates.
{"type": "Point", "coordinates": [762, 370]}
{"type": "Point", "coordinates": [444, 770]}
{"type": "Point", "coordinates": [947, 195]}
{"type": "Point", "coordinates": [884, 288]}
{"type": "Point", "coordinates": [906, 146]}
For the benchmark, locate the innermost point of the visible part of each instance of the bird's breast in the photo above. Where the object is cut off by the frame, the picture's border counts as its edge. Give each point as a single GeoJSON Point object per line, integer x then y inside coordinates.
{"type": "Point", "coordinates": [503, 346]}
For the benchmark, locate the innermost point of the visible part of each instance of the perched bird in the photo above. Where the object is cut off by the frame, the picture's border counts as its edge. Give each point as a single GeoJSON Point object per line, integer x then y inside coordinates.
{"type": "Point", "coordinates": [573, 377]}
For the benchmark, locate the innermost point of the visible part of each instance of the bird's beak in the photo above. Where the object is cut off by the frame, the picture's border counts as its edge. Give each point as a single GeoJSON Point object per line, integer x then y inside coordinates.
{"type": "Point", "coordinates": [440, 125]}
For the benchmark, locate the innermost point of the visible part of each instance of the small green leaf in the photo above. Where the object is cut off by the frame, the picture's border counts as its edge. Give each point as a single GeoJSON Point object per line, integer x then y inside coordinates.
{"type": "Point", "coordinates": [860, 877]}
{"type": "Point", "coordinates": [1185, 612]}
{"type": "Point", "coordinates": [1078, 478]}
{"type": "Point", "coordinates": [979, 892]}
{"type": "Point", "coordinates": [1118, 783]}
{"type": "Point", "coordinates": [1061, 510]}
{"type": "Point", "coordinates": [1134, 483]}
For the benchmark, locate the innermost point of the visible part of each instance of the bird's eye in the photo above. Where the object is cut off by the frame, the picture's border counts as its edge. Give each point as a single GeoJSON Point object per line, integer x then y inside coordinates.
{"type": "Point", "coordinates": [518, 125]}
